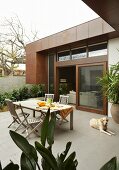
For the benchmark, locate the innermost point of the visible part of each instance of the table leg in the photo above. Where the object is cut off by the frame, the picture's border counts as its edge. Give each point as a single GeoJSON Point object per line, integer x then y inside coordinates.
{"type": "Point", "coordinates": [33, 113]}
{"type": "Point", "coordinates": [71, 120]}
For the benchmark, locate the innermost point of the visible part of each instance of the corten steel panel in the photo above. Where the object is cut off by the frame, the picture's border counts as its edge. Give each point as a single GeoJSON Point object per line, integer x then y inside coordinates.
{"type": "Point", "coordinates": [31, 68]}
{"type": "Point", "coordinates": [107, 9]}
{"type": "Point", "coordinates": [107, 28]}
{"type": "Point", "coordinates": [52, 41]}
{"type": "Point", "coordinates": [34, 46]}
{"type": "Point", "coordinates": [42, 69]}
{"type": "Point", "coordinates": [69, 36]}
{"type": "Point", "coordinates": [44, 43]}
{"type": "Point", "coordinates": [37, 45]}
{"type": "Point", "coordinates": [82, 31]}
{"type": "Point", "coordinates": [66, 36]}
{"type": "Point", "coordinates": [95, 27]}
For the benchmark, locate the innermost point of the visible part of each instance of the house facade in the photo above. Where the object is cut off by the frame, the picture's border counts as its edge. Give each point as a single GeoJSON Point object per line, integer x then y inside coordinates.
{"type": "Point", "coordinates": [70, 61]}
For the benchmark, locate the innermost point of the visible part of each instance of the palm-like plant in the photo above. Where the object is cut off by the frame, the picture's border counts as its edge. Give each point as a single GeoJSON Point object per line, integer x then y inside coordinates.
{"type": "Point", "coordinates": [110, 84]}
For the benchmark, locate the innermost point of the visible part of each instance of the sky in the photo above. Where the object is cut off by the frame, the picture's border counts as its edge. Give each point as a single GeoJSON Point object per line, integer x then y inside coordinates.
{"type": "Point", "coordinates": [47, 16]}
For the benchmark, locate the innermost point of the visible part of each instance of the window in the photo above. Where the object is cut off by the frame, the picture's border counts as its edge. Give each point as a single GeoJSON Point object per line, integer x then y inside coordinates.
{"type": "Point", "coordinates": [89, 91]}
{"type": "Point", "coordinates": [51, 73]}
{"type": "Point", "coordinates": [79, 53]}
{"type": "Point", "coordinates": [64, 56]}
{"type": "Point", "coordinates": [97, 50]}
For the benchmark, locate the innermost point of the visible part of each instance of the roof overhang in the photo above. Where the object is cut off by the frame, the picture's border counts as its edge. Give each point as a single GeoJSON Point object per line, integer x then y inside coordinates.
{"type": "Point", "coordinates": [107, 10]}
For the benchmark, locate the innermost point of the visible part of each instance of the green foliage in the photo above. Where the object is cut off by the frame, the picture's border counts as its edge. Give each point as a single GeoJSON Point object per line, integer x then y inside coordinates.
{"type": "Point", "coordinates": [11, 166]}
{"type": "Point", "coordinates": [15, 95]}
{"type": "Point", "coordinates": [111, 165]}
{"type": "Point", "coordinates": [37, 90]}
{"type": "Point", "coordinates": [8, 95]}
{"type": "Point", "coordinates": [51, 90]}
{"type": "Point", "coordinates": [29, 157]}
{"type": "Point", "coordinates": [110, 84]}
{"type": "Point", "coordinates": [48, 126]}
{"type": "Point", "coordinates": [63, 88]}
{"type": "Point", "coordinates": [23, 93]}
{"type": "Point", "coordinates": [2, 101]}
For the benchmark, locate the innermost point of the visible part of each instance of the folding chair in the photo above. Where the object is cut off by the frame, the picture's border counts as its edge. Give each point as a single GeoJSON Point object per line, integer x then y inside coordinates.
{"type": "Point", "coordinates": [14, 114]}
{"type": "Point", "coordinates": [49, 96]}
{"type": "Point", "coordinates": [63, 99]}
{"type": "Point", "coordinates": [31, 123]}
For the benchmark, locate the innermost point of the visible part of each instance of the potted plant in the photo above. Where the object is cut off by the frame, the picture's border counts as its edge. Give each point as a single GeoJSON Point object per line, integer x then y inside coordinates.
{"type": "Point", "coordinates": [110, 86]}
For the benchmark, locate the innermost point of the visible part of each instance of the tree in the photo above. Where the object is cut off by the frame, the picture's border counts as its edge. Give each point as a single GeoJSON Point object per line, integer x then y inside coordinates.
{"type": "Point", "coordinates": [13, 39]}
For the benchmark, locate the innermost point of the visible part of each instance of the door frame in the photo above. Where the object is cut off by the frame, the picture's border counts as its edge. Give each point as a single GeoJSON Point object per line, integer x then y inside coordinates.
{"type": "Point", "coordinates": [84, 108]}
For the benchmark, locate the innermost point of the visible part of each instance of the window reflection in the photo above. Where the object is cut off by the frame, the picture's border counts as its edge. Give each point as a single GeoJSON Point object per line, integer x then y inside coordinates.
{"type": "Point", "coordinates": [64, 56]}
{"type": "Point", "coordinates": [51, 73]}
{"type": "Point", "coordinates": [97, 50]}
{"type": "Point", "coordinates": [89, 91]}
{"type": "Point", "coordinates": [78, 53]}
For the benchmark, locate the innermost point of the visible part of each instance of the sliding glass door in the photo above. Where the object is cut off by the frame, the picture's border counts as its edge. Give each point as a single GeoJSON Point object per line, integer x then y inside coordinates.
{"type": "Point", "coordinates": [89, 94]}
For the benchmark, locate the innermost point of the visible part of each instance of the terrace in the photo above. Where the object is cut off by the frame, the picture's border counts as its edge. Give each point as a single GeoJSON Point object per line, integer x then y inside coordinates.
{"type": "Point", "coordinates": [93, 148]}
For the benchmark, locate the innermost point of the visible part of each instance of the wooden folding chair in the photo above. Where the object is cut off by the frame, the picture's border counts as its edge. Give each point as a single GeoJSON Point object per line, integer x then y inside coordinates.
{"type": "Point", "coordinates": [49, 96]}
{"type": "Point", "coordinates": [63, 99]}
{"type": "Point", "coordinates": [31, 123]}
{"type": "Point", "coordinates": [16, 116]}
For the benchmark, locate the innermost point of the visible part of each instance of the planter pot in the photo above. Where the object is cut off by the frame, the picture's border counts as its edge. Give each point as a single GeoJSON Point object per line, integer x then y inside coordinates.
{"type": "Point", "coordinates": [115, 112]}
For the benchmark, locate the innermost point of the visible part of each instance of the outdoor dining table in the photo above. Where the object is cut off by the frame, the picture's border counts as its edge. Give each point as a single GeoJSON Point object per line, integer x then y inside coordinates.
{"type": "Point", "coordinates": [63, 110]}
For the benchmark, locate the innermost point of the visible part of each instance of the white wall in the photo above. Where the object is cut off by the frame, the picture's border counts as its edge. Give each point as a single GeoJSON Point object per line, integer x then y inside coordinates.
{"type": "Point", "coordinates": [113, 57]}
{"type": "Point", "coordinates": [8, 83]}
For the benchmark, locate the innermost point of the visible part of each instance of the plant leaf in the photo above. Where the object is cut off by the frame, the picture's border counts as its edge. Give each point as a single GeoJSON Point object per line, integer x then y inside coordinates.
{"type": "Point", "coordinates": [26, 163]}
{"type": "Point", "coordinates": [110, 165]}
{"type": "Point", "coordinates": [24, 145]}
{"type": "Point", "coordinates": [0, 166]}
{"type": "Point", "coordinates": [47, 155]}
{"type": "Point", "coordinates": [69, 162]}
{"type": "Point", "coordinates": [45, 165]}
{"type": "Point", "coordinates": [64, 154]}
{"type": "Point", "coordinates": [11, 166]}
{"type": "Point", "coordinates": [34, 153]}
{"type": "Point", "coordinates": [21, 142]}
{"type": "Point", "coordinates": [51, 129]}
{"type": "Point", "coordinates": [44, 128]}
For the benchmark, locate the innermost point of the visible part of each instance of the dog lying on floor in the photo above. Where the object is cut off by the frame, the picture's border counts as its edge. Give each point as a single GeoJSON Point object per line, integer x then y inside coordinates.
{"type": "Point", "coordinates": [101, 124]}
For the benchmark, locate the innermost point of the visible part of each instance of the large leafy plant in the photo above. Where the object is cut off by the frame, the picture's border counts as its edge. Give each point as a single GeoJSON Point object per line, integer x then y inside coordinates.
{"type": "Point", "coordinates": [111, 165]}
{"type": "Point", "coordinates": [110, 84]}
{"type": "Point", "coordinates": [29, 156]}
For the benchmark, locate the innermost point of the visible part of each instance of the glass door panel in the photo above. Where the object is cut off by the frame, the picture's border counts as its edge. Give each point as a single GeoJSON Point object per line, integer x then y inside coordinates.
{"type": "Point", "coordinates": [89, 91]}
{"type": "Point", "coordinates": [51, 73]}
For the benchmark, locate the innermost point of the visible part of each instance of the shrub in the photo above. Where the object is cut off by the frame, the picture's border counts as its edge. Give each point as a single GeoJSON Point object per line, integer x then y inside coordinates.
{"type": "Point", "coordinates": [15, 95]}
{"type": "Point", "coordinates": [63, 88]}
{"type": "Point", "coordinates": [2, 101]}
{"type": "Point", "coordinates": [24, 93]}
{"type": "Point", "coordinates": [37, 90]}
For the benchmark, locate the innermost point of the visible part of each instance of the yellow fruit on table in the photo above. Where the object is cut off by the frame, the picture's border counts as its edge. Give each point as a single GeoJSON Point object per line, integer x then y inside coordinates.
{"type": "Point", "coordinates": [41, 103]}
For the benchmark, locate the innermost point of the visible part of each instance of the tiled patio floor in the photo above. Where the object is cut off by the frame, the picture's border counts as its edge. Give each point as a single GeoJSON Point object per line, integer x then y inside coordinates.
{"type": "Point", "coordinates": [92, 148]}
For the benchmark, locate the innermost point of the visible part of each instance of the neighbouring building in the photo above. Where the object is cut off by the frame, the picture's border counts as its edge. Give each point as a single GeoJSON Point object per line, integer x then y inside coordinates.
{"type": "Point", "coordinates": [70, 62]}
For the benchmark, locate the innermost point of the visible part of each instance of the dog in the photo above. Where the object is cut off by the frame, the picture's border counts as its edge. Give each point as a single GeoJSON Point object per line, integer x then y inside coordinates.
{"type": "Point", "coordinates": [101, 124]}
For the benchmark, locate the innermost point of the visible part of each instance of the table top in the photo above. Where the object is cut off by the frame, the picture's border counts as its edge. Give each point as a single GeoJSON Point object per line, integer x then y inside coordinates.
{"type": "Point", "coordinates": [33, 105]}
